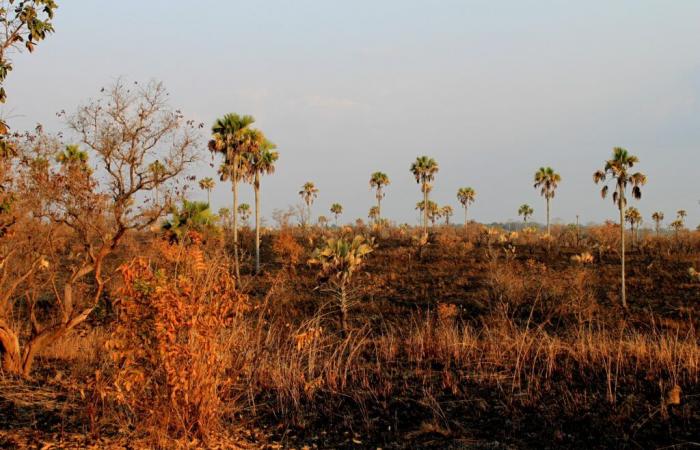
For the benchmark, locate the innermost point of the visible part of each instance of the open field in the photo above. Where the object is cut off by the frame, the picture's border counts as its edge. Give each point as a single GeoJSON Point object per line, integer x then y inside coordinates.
{"type": "Point", "coordinates": [471, 340]}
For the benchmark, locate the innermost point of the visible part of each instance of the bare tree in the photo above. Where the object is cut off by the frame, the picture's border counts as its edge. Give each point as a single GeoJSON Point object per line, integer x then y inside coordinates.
{"type": "Point", "coordinates": [92, 207]}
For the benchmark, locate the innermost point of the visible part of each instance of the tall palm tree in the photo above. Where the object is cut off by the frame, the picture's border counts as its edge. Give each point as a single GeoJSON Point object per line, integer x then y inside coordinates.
{"type": "Point", "coordinates": [618, 170]}
{"type": "Point", "coordinates": [526, 211]}
{"type": "Point", "coordinates": [260, 158]}
{"type": "Point", "coordinates": [207, 184]}
{"type": "Point", "coordinates": [378, 180]}
{"type": "Point", "coordinates": [308, 193]}
{"type": "Point", "coordinates": [446, 212]}
{"type": "Point", "coordinates": [466, 196]}
{"type": "Point", "coordinates": [227, 140]}
{"type": "Point", "coordinates": [657, 217]}
{"type": "Point", "coordinates": [336, 210]}
{"type": "Point", "coordinates": [547, 180]}
{"type": "Point", "coordinates": [424, 169]}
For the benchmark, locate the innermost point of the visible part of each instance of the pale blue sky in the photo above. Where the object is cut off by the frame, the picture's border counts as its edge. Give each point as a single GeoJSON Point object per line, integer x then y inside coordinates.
{"type": "Point", "coordinates": [491, 89]}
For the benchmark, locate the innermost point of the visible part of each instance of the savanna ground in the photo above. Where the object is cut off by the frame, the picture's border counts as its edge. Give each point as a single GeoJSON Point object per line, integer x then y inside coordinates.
{"type": "Point", "coordinates": [471, 339]}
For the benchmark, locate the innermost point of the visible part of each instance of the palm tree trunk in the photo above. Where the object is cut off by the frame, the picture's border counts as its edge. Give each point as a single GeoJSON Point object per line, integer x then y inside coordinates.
{"type": "Point", "coordinates": [548, 229]}
{"type": "Point", "coordinates": [379, 206]}
{"type": "Point", "coordinates": [425, 208]}
{"type": "Point", "coordinates": [256, 187]}
{"type": "Point", "coordinates": [622, 248]}
{"type": "Point", "coordinates": [465, 217]}
{"type": "Point", "coordinates": [234, 181]}
{"type": "Point", "coordinates": [209, 198]}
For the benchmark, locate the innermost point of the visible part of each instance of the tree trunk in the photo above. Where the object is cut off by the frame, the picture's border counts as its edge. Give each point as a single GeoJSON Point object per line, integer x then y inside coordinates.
{"type": "Point", "coordinates": [465, 217]}
{"type": "Point", "coordinates": [622, 248]}
{"type": "Point", "coordinates": [234, 186]}
{"type": "Point", "coordinates": [425, 208]}
{"type": "Point", "coordinates": [256, 187]}
{"type": "Point", "coordinates": [9, 349]}
{"type": "Point", "coordinates": [548, 228]}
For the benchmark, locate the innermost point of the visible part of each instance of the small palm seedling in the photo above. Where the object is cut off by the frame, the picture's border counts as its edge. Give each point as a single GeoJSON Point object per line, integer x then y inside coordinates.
{"type": "Point", "coordinates": [339, 259]}
{"type": "Point", "coordinates": [192, 216]}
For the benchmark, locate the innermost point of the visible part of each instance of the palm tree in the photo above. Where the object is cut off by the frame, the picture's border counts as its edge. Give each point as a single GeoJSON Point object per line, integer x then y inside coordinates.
{"type": "Point", "coordinates": [244, 213]}
{"type": "Point", "coordinates": [207, 184]}
{"type": "Point", "coordinates": [378, 181]}
{"type": "Point", "coordinates": [681, 215]}
{"type": "Point", "coordinates": [657, 217]}
{"type": "Point", "coordinates": [633, 216]}
{"type": "Point", "coordinates": [446, 212]}
{"type": "Point", "coordinates": [192, 216]}
{"type": "Point", "coordinates": [424, 169]}
{"type": "Point", "coordinates": [157, 170]}
{"type": "Point", "coordinates": [72, 155]}
{"type": "Point", "coordinates": [260, 159]}
{"type": "Point", "coordinates": [466, 196]}
{"type": "Point", "coordinates": [677, 226]}
{"type": "Point", "coordinates": [547, 180]}
{"type": "Point", "coordinates": [227, 139]}
{"type": "Point", "coordinates": [432, 211]}
{"type": "Point", "coordinates": [308, 193]}
{"type": "Point", "coordinates": [373, 213]}
{"type": "Point", "coordinates": [617, 169]}
{"type": "Point", "coordinates": [526, 211]}
{"type": "Point", "coordinates": [337, 210]}
{"type": "Point", "coordinates": [224, 217]}
{"type": "Point", "coordinates": [322, 220]}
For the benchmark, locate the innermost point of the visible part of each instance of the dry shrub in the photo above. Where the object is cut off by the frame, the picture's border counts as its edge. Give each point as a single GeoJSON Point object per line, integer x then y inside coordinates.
{"type": "Point", "coordinates": [168, 347]}
{"type": "Point", "coordinates": [449, 242]}
{"type": "Point", "coordinates": [287, 249]}
{"type": "Point", "coordinates": [534, 291]}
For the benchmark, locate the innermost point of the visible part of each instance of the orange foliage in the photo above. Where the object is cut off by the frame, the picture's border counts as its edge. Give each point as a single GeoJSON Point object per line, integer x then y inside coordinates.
{"type": "Point", "coordinates": [167, 346]}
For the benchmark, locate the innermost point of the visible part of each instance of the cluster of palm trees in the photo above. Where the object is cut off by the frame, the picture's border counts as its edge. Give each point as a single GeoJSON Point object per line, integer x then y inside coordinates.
{"type": "Point", "coordinates": [247, 155]}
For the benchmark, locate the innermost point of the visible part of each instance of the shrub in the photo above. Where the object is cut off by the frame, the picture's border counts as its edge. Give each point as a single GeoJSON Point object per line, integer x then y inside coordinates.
{"type": "Point", "coordinates": [167, 346]}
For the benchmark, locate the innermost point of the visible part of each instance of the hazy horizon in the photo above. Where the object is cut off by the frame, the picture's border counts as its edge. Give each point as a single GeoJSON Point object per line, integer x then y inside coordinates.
{"type": "Point", "coordinates": [491, 90]}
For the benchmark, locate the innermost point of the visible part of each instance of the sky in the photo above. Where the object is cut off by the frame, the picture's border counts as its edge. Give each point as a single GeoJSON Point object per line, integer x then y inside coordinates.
{"type": "Point", "coordinates": [491, 89]}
